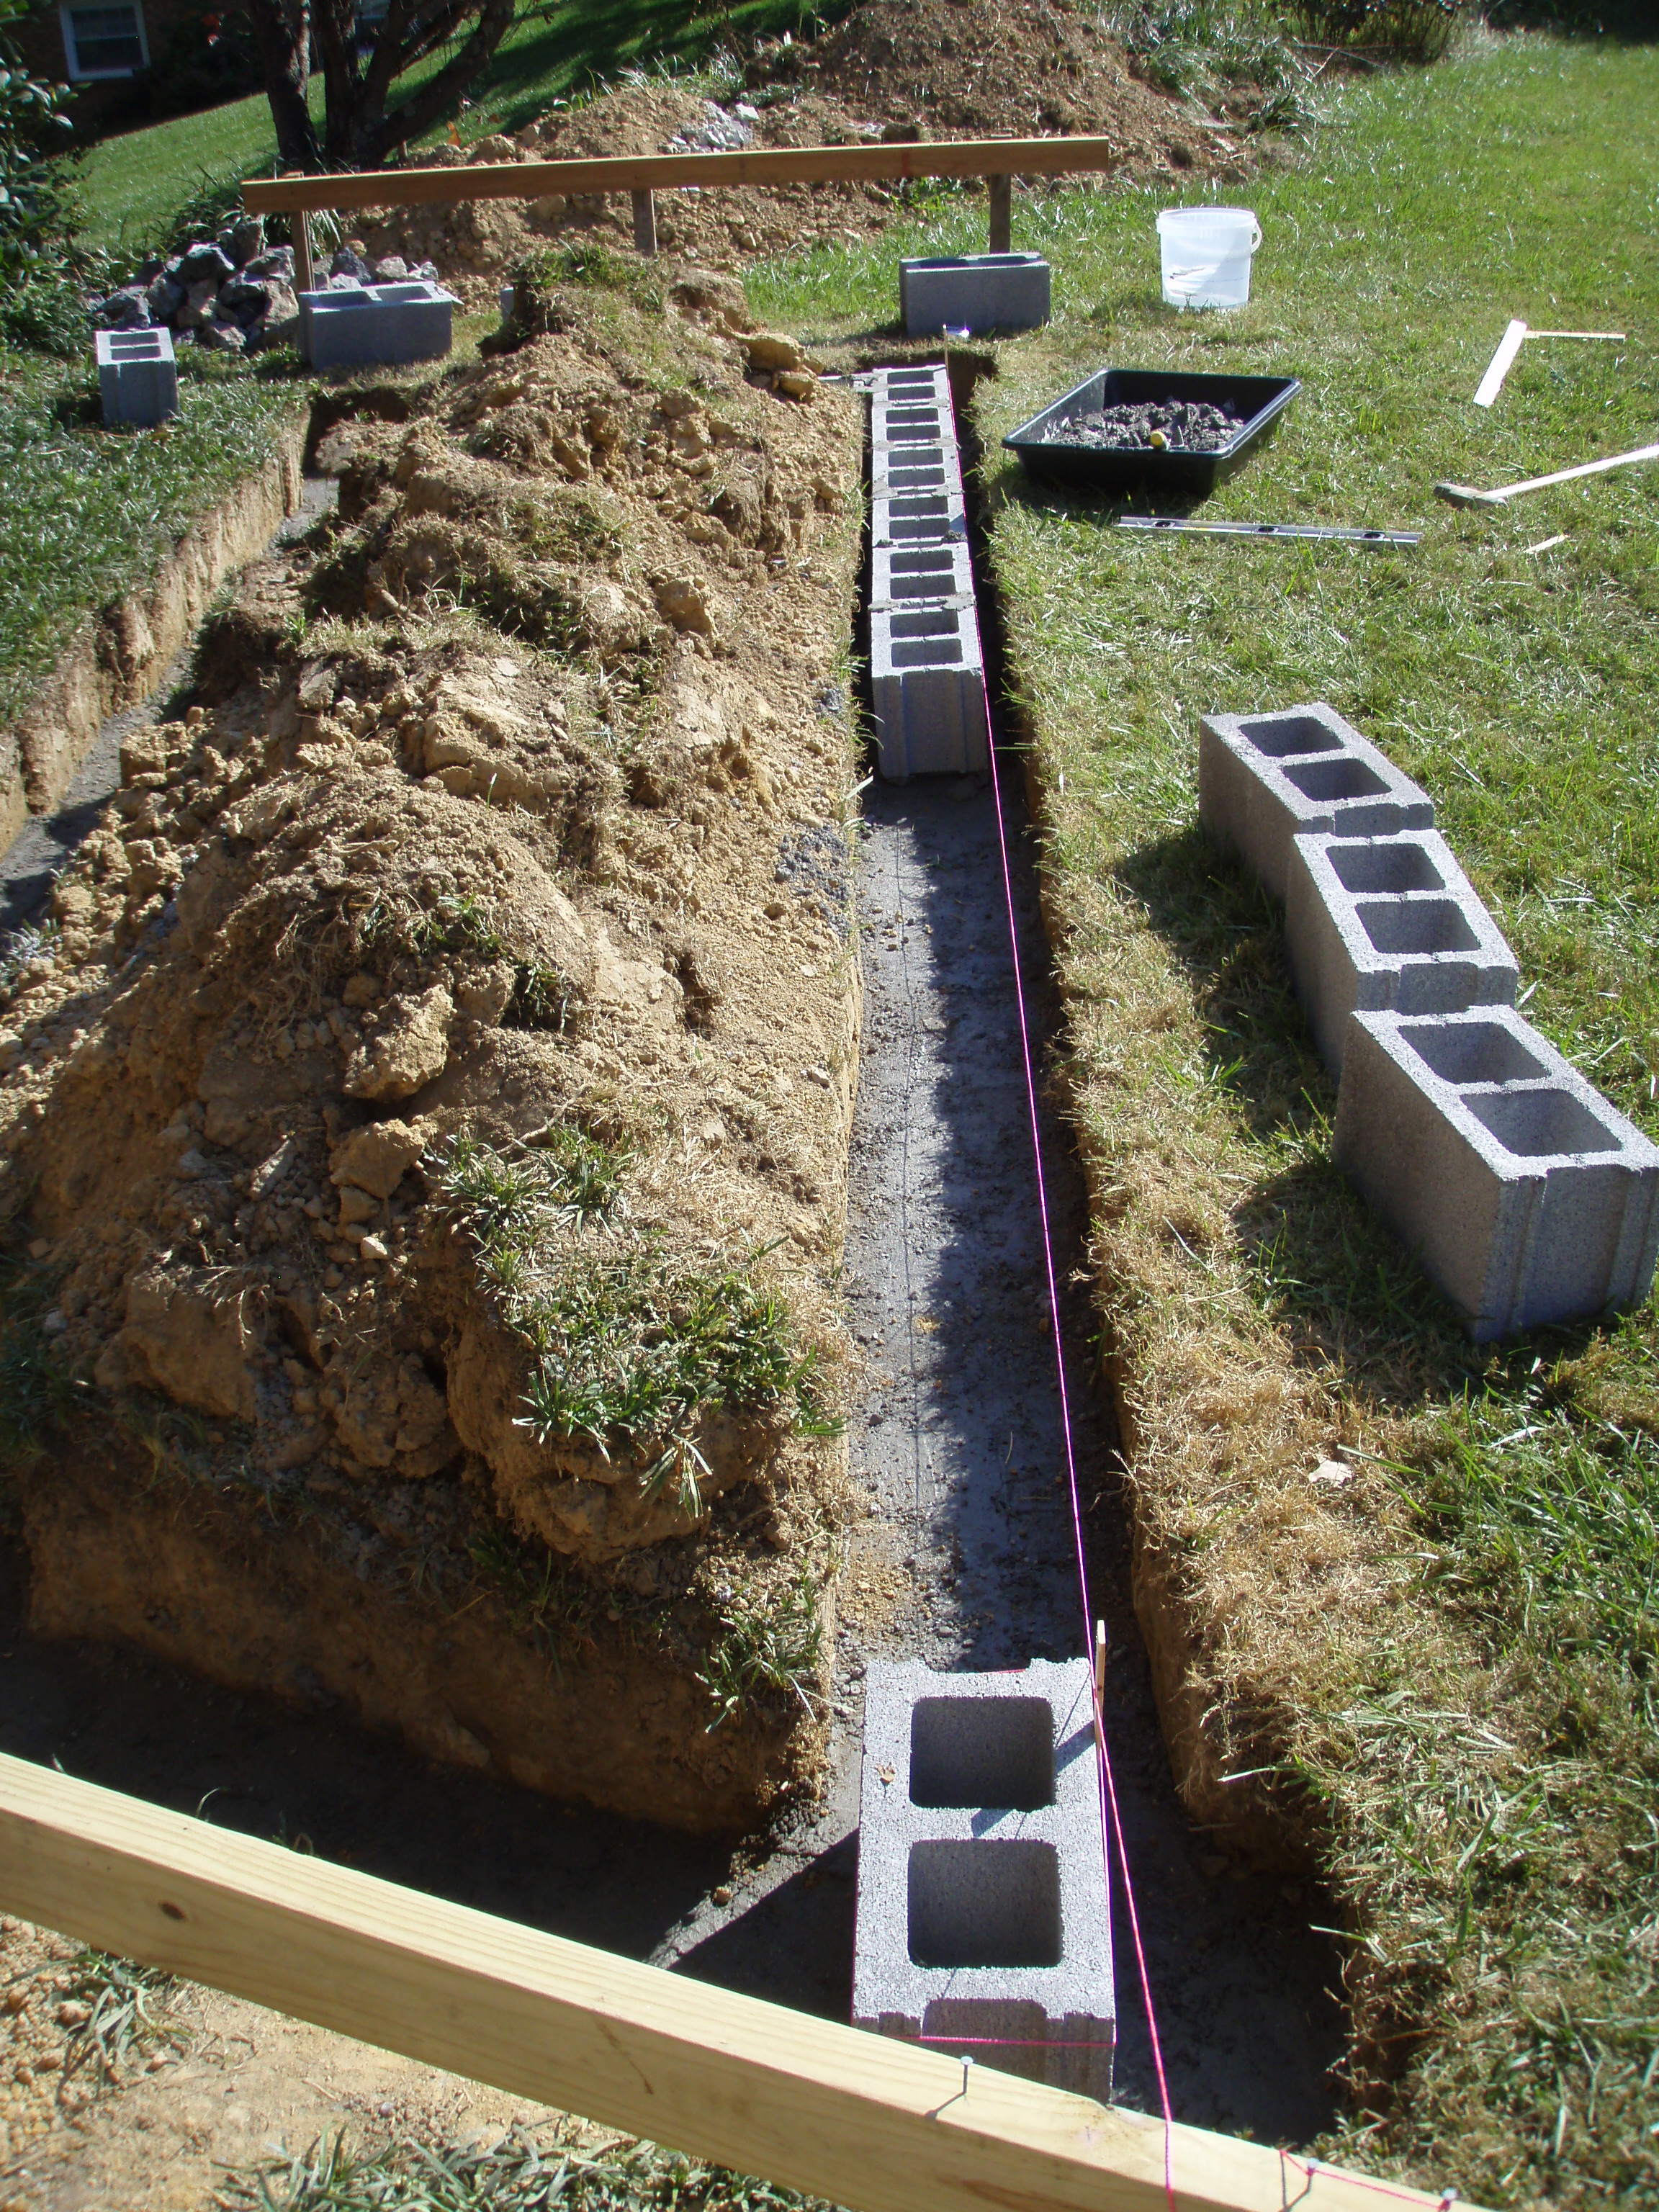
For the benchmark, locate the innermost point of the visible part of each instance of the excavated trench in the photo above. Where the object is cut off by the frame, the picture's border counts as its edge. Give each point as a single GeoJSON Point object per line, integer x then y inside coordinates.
{"type": "Point", "coordinates": [962, 1555]}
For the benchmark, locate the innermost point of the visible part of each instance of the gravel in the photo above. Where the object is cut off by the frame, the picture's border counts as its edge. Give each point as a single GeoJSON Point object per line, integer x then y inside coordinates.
{"type": "Point", "coordinates": [1188, 426]}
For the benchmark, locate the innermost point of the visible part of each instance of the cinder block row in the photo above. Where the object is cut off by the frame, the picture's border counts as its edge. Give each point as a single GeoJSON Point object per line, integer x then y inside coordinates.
{"type": "Point", "coordinates": [912, 422]}
{"type": "Point", "coordinates": [973, 292]}
{"type": "Point", "coordinates": [897, 470]}
{"type": "Point", "coordinates": [137, 376]}
{"type": "Point", "coordinates": [1265, 778]}
{"type": "Point", "coordinates": [928, 689]}
{"type": "Point", "coordinates": [922, 517]}
{"type": "Point", "coordinates": [1388, 923]}
{"type": "Point", "coordinates": [1524, 1195]}
{"type": "Point", "coordinates": [982, 1910]}
{"type": "Point", "coordinates": [376, 324]}
{"type": "Point", "coordinates": [901, 574]}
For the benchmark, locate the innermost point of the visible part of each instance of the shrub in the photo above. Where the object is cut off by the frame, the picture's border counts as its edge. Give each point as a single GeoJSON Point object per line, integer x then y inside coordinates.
{"type": "Point", "coordinates": [1415, 30]}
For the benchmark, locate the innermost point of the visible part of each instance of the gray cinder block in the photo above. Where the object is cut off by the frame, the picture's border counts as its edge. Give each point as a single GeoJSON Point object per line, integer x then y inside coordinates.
{"type": "Point", "coordinates": [917, 518]}
{"type": "Point", "coordinates": [973, 292]}
{"type": "Point", "coordinates": [385, 326]}
{"type": "Point", "coordinates": [897, 470]}
{"type": "Point", "coordinates": [912, 422]}
{"type": "Point", "coordinates": [1388, 923]}
{"type": "Point", "coordinates": [902, 575]}
{"type": "Point", "coordinates": [137, 376]}
{"type": "Point", "coordinates": [982, 1910]}
{"type": "Point", "coordinates": [922, 379]}
{"type": "Point", "coordinates": [1526, 1197]}
{"type": "Point", "coordinates": [927, 687]}
{"type": "Point", "coordinates": [1265, 778]}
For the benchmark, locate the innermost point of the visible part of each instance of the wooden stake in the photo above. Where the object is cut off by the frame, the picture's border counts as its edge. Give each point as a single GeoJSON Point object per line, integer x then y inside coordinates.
{"type": "Point", "coordinates": [305, 276]}
{"type": "Point", "coordinates": [1465, 495]}
{"type": "Point", "coordinates": [1002, 215]}
{"type": "Point", "coordinates": [1100, 1661]}
{"type": "Point", "coordinates": [865, 2120]}
{"type": "Point", "coordinates": [645, 221]}
{"type": "Point", "coordinates": [1492, 382]}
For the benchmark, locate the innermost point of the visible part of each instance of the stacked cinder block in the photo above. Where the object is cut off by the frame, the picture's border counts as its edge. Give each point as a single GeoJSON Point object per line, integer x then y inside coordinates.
{"type": "Point", "coordinates": [927, 671]}
{"type": "Point", "coordinates": [137, 376]}
{"type": "Point", "coordinates": [982, 1912]}
{"type": "Point", "coordinates": [380, 325]}
{"type": "Point", "coordinates": [1525, 1196]}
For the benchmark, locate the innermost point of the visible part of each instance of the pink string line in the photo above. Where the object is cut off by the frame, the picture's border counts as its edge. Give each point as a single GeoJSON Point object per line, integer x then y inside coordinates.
{"type": "Point", "coordinates": [1106, 1784]}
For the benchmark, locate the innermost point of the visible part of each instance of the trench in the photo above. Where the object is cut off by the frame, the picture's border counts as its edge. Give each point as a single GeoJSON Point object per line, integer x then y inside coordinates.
{"type": "Point", "coordinates": [961, 1553]}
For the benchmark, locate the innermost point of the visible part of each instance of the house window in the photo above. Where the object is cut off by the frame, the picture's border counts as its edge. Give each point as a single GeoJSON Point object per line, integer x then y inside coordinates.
{"type": "Point", "coordinates": [105, 41]}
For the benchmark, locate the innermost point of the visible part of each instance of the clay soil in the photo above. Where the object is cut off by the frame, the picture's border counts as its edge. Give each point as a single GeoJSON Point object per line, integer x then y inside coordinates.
{"type": "Point", "coordinates": [424, 1161]}
{"type": "Point", "coordinates": [925, 69]}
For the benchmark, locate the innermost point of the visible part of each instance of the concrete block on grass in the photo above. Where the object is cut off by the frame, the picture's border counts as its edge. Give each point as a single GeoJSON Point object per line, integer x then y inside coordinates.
{"type": "Point", "coordinates": [1527, 1198]}
{"type": "Point", "coordinates": [1265, 778]}
{"type": "Point", "coordinates": [1388, 923]}
{"type": "Point", "coordinates": [927, 690]}
{"type": "Point", "coordinates": [137, 376]}
{"type": "Point", "coordinates": [982, 1910]}
{"type": "Point", "coordinates": [375, 325]}
{"type": "Point", "coordinates": [901, 575]}
{"type": "Point", "coordinates": [973, 292]}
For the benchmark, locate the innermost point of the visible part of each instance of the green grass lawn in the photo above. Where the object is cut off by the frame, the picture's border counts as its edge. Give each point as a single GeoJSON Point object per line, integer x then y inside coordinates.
{"type": "Point", "coordinates": [135, 184]}
{"type": "Point", "coordinates": [88, 510]}
{"type": "Point", "coordinates": [1468, 1722]}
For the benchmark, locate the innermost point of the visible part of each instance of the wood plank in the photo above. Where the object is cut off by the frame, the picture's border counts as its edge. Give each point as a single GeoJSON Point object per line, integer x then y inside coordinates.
{"type": "Point", "coordinates": [1492, 382]}
{"type": "Point", "coordinates": [787, 164]}
{"type": "Point", "coordinates": [861, 2119]}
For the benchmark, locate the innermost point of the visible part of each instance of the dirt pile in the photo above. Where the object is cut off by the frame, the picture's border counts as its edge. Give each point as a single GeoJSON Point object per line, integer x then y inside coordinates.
{"type": "Point", "coordinates": [421, 1173]}
{"type": "Point", "coordinates": [895, 68]}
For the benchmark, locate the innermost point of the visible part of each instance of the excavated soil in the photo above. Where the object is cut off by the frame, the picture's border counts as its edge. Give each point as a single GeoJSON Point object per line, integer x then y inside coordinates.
{"type": "Point", "coordinates": [418, 1184]}
{"type": "Point", "coordinates": [895, 69]}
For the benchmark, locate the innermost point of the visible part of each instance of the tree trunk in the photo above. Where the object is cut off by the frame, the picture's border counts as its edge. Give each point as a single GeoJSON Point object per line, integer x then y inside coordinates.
{"type": "Point", "coordinates": [284, 39]}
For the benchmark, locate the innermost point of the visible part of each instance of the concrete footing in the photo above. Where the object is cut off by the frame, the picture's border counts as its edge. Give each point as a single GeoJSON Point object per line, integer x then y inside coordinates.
{"type": "Point", "coordinates": [984, 1921]}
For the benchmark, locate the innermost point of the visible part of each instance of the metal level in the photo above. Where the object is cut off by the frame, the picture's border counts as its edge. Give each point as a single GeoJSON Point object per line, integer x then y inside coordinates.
{"type": "Point", "coordinates": [1161, 522]}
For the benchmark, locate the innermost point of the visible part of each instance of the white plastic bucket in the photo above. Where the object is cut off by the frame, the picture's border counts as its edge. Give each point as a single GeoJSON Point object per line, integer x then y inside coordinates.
{"type": "Point", "coordinates": [1206, 255]}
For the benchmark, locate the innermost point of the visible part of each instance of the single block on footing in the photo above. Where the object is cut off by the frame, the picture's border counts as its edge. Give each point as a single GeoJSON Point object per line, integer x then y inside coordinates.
{"type": "Point", "coordinates": [927, 685]}
{"type": "Point", "coordinates": [906, 421]}
{"type": "Point", "coordinates": [973, 292]}
{"type": "Point", "coordinates": [901, 471]}
{"type": "Point", "coordinates": [902, 574]}
{"type": "Point", "coordinates": [1525, 1195]}
{"type": "Point", "coordinates": [1388, 924]}
{"type": "Point", "coordinates": [137, 376]}
{"type": "Point", "coordinates": [1265, 778]}
{"type": "Point", "coordinates": [918, 518]}
{"type": "Point", "coordinates": [928, 382]}
{"type": "Point", "coordinates": [982, 1910]}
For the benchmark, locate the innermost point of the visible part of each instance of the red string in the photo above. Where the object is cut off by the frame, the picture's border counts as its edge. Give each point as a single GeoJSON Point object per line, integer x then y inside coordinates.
{"type": "Point", "coordinates": [1106, 1785]}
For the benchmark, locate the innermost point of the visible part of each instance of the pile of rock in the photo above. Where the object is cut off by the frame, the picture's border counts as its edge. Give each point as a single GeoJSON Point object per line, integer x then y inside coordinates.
{"type": "Point", "coordinates": [233, 293]}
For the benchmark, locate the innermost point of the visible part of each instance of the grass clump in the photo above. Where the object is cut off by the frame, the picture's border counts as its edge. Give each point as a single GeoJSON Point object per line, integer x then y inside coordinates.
{"type": "Point", "coordinates": [769, 1641]}
{"type": "Point", "coordinates": [127, 2015]}
{"type": "Point", "coordinates": [630, 1348]}
{"type": "Point", "coordinates": [520, 2174]}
